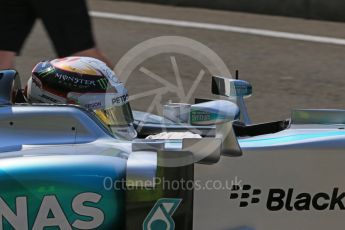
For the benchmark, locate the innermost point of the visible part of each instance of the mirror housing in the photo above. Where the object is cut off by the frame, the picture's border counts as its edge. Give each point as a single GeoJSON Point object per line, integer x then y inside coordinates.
{"type": "Point", "coordinates": [231, 88]}
{"type": "Point", "coordinates": [235, 90]}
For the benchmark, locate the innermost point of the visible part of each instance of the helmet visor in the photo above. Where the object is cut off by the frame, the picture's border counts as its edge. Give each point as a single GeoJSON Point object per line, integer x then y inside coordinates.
{"type": "Point", "coordinates": [116, 116]}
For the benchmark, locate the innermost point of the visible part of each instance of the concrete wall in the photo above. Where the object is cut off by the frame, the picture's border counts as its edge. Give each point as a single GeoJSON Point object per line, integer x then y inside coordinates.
{"type": "Point", "coordinates": [333, 10]}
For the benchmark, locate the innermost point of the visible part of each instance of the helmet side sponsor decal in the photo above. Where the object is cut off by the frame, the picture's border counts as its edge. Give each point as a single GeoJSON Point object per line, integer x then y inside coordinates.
{"type": "Point", "coordinates": [47, 98]}
{"type": "Point", "coordinates": [103, 83]}
{"type": "Point", "coordinates": [51, 214]}
{"type": "Point", "coordinates": [120, 100]}
{"type": "Point", "coordinates": [98, 100]}
{"type": "Point", "coordinates": [75, 80]}
{"type": "Point", "coordinates": [160, 217]}
{"type": "Point", "coordinates": [278, 199]}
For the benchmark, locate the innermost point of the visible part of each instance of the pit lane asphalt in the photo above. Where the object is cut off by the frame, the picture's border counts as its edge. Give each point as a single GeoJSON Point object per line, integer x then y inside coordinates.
{"type": "Point", "coordinates": [285, 73]}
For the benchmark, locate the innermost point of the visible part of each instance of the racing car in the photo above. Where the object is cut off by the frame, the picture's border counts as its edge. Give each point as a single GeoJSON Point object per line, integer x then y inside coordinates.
{"type": "Point", "coordinates": [61, 167]}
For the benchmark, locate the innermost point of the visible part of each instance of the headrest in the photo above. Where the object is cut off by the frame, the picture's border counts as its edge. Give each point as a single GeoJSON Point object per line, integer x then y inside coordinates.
{"type": "Point", "coordinates": [10, 86]}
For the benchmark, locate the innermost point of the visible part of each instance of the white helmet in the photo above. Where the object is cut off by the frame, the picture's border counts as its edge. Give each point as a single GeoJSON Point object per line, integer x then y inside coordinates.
{"type": "Point", "coordinates": [87, 82]}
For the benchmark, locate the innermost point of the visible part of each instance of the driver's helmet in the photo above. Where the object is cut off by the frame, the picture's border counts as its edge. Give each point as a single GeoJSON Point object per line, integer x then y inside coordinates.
{"type": "Point", "coordinates": [87, 82]}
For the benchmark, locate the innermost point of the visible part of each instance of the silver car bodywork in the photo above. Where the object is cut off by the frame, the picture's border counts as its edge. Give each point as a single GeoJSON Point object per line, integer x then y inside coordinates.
{"type": "Point", "coordinates": [288, 179]}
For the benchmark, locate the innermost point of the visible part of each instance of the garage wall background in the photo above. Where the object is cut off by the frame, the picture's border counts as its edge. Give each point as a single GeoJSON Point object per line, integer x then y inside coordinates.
{"type": "Point", "coordinates": [333, 10]}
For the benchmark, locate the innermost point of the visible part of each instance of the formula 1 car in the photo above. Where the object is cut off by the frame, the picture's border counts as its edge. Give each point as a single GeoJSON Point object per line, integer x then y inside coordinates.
{"type": "Point", "coordinates": [62, 168]}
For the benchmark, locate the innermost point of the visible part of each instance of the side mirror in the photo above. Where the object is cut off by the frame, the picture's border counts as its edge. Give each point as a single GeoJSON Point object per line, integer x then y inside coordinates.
{"type": "Point", "coordinates": [235, 90]}
{"type": "Point", "coordinates": [231, 88]}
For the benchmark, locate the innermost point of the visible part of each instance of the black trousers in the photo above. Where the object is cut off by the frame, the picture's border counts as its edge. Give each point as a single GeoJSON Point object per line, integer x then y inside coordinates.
{"type": "Point", "coordinates": [66, 21]}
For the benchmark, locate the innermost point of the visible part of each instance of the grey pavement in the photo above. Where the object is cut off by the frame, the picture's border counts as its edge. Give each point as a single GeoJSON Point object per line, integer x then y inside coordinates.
{"type": "Point", "coordinates": [285, 73]}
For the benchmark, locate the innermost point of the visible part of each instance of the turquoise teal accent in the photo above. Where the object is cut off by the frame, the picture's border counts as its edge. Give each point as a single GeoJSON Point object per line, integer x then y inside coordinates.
{"type": "Point", "coordinates": [155, 221]}
{"type": "Point", "coordinates": [64, 177]}
{"type": "Point", "coordinates": [286, 139]}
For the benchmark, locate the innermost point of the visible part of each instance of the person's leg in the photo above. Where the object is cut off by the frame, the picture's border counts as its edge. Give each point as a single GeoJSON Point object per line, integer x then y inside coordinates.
{"type": "Point", "coordinates": [69, 26]}
{"type": "Point", "coordinates": [16, 21]}
{"type": "Point", "coordinates": [7, 59]}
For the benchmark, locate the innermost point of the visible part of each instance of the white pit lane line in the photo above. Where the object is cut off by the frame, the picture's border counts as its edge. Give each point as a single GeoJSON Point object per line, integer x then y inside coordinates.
{"type": "Point", "coordinates": [219, 27]}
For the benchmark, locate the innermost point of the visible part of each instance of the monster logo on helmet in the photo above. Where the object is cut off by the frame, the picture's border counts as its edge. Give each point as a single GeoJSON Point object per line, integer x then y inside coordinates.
{"type": "Point", "coordinates": [87, 82]}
